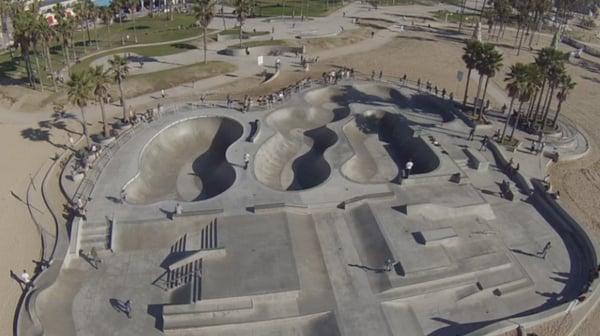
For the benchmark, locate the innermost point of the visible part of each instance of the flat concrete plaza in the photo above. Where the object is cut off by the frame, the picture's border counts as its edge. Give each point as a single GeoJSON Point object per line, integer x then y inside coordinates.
{"type": "Point", "coordinates": [322, 231]}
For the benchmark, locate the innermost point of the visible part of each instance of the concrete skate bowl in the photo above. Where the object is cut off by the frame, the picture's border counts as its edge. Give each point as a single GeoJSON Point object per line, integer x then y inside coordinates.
{"type": "Point", "coordinates": [293, 159]}
{"type": "Point", "coordinates": [186, 162]}
{"type": "Point", "coordinates": [382, 143]}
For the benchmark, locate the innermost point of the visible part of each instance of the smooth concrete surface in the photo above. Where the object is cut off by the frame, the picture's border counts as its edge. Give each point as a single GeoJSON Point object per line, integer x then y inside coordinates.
{"type": "Point", "coordinates": [302, 242]}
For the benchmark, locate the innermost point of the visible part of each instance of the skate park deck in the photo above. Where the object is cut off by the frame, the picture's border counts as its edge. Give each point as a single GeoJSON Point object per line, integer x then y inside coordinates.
{"type": "Point", "coordinates": [298, 242]}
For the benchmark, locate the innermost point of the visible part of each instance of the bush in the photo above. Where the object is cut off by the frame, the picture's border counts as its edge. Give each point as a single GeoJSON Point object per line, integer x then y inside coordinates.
{"type": "Point", "coordinates": [588, 22]}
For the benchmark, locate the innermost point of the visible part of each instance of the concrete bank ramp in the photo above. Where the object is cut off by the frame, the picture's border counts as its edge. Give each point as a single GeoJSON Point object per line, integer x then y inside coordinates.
{"type": "Point", "coordinates": [186, 162]}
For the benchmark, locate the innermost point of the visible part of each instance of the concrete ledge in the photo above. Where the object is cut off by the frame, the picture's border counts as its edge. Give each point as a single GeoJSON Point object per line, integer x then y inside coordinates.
{"type": "Point", "coordinates": [388, 195]}
{"type": "Point", "coordinates": [519, 178]}
{"type": "Point", "coordinates": [212, 253]}
{"type": "Point", "coordinates": [477, 160]}
{"type": "Point", "coordinates": [271, 207]}
{"type": "Point", "coordinates": [436, 236]}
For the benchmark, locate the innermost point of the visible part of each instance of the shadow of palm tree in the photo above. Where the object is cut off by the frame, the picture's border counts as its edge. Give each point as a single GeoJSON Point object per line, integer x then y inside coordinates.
{"type": "Point", "coordinates": [39, 134]}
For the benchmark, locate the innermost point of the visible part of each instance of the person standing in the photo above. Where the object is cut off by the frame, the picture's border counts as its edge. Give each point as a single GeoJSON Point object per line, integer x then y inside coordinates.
{"type": "Point", "coordinates": [246, 160]}
{"type": "Point", "coordinates": [380, 75]}
{"type": "Point", "coordinates": [178, 209]}
{"type": "Point", "coordinates": [26, 278]}
{"type": "Point", "coordinates": [409, 167]}
{"type": "Point", "coordinates": [127, 308]}
{"type": "Point", "coordinates": [163, 93]}
{"type": "Point", "coordinates": [484, 142]}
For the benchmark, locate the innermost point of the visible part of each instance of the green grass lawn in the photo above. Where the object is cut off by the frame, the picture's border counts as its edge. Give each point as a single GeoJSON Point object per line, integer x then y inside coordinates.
{"type": "Point", "coordinates": [251, 44]}
{"type": "Point", "coordinates": [145, 83]}
{"type": "Point", "coordinates": [148, 30]}
{"type": "Point", "coordinates": [266, 8]}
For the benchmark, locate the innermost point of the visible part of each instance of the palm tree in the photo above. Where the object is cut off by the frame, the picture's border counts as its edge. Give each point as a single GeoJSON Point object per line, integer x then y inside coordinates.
{"type": "Point", "coordinates": [130, 5]}
{"type": "Point", "coordinates": [471, 58]}
{"type": "Point", "coordinates": [79, 91]}
{"type": "Point", "coordinates": [242, 8]}
{"type": "Point", "coordinates": [490, 65]}
{"type": "Point", "coordinates": [120, 70]}
{"type": "Point", "coordinates": [65, 29]}
{"type": "Point", "coordinates": [106, 14]}
{"type": "Point", "coordinates": [527, 88]}
{"type": "Point", "coordinates": [204, 11]}
{"type": "Point", "coordinates": [555, 74]}
{"type": "Point", "coordinates": [23, 22]}
{"type": "Point", "coordinates": [566, 85]}
{"type": "Point", "coordinates": [547, 59]}
{"type": "Point", "coordinates": [101, 79]}
{"type": "Point", "coordinates": [47, 35]}
{"type": "Point", "coordinates": [515, 79]}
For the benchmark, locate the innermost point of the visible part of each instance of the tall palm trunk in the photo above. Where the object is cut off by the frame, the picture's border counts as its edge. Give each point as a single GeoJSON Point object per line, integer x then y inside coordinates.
{"type": "Point", "coordinates": [512, 132]}
{"type": "Point", "coordinates": [66, 55]}
{"type": "Point", "coordinates": [512, 101]}
{"type": "Point", "coordinates": [241, 29]}
{"type": "Point", "coordinates": [521, 40]}
{"type": "Point", "coordinates": [467, 88]}
{"type": "Point", "coordinates": [204, 40]}
{"type": "Point", "coordinates": [38, 69]}
{"type": "Point", "coordinates": [28, 67]}
{"type": "Point", "coordinates": [542, 112]}
{"type": "Point", "coordinates": [462, 14]}
{"type": "Point", "coordinates": [84, 124]}
{"type": "Point", "coordinates": [223, 15]}
{"type": "Point", "coordinates": [135, 39]}
{"type": "Point", "coordinates": [478, 94]}
{"type": "Point", "coordinates": [537, 108]}
{"type": "Point", "coordinates": [125, 115]}
{"type": "Point", "coordinates": [50, 67]}
{"type": "Point", "coordinates": [552, 88]}
{"type": "Point", "coordinates": [560, 102]}
{"type": "Point", "coordinates": [487, 81]}
{"type": "Point", "coordinates": [531, 106]}
{"type": "Point", "coordinates": [87, 29]}
{"type": "Point", "coordinates": [104, 123]}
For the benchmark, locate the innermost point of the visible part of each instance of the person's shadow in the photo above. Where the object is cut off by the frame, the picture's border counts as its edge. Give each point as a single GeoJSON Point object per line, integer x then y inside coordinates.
{"type": "Point", "coordinates": [118, 305]}
{"type": "Point", "coordinates": [88, 259]}
{"type": "Point", "coordinates": [367, 268]}
{"type": "Point", "coordinates": [169, 214]}
{"type": "Point", "coordinates": [18, 279]}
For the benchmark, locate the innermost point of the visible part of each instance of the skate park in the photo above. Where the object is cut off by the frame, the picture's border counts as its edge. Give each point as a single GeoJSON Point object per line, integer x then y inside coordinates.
{"type": "Point", "coordinates": [298, 242]}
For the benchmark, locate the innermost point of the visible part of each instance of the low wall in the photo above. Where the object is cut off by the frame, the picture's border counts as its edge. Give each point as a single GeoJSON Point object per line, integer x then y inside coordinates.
{"type": "Point", "coordinates": [589, 250]}
{"type": "Point", "coordinates": [521, 180]}
{"type": "Point", "coordinates": [260, 50]}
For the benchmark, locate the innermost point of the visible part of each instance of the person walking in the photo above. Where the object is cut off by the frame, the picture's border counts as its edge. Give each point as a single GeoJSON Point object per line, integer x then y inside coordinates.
{"type": "Point", "coordinates": [471, 134]}
{"type": "Point", "coordinates": [409, 166]}
{"type": "Point", "coordinates": [163, 93]}
{"type": "Point", "coordinates": [373, 75]}
{"type": "Point", "coordinates": [484, 142]}
{"type": "Point", "coordinates": [380, 75]}
{"type": "Point", "coordinates": [26, 279]}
